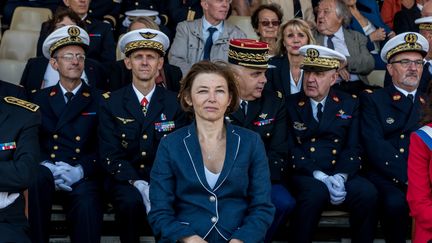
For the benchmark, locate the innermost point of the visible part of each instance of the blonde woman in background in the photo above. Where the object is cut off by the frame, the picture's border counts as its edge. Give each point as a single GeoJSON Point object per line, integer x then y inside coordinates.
{"type": "Point", "coordinates": [286, 78]}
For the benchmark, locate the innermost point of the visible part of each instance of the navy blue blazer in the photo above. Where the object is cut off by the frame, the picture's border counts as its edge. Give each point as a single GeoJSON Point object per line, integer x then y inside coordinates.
{"type": "Point", "coordinates": [278, 79]}
{"type": "Point", "coordinates": [33, 74]}
{"type": "Point", "coordinates": [331, 145]}
{"type": "Point", "coordinates": [388, 118]}
{"type": "Point", "coordinates": [128, 139]}
{"type": "Point", "coordinates": [267, 116]}
{"type": "Point", "coordinates": [182, 202]}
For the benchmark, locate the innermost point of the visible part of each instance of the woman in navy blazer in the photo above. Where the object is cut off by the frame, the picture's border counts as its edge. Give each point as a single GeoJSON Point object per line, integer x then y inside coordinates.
{"type": "Point", "coordinates": [210, 181]}
{"type": "Point", "coordinates": [286, 78]}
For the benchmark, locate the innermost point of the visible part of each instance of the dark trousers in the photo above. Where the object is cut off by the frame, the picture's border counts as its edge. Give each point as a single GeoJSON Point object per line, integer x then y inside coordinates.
{"type": "Point", "coordinates": [312, 198]}
{"type": "Point", "coordinates": [284, 204]}
{"type": "Point", "coordinates": [13, 222]}
{"type": "Point", "coordinates": [83, 207]}
{"type": "Point", "coordinates": [130, 214]}
{"type": "Point", "coordinates": [393, 208]}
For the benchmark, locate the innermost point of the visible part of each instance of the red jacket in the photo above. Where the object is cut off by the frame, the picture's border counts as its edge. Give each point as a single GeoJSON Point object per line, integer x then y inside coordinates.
{"type": "Point", "coordinates": [419, 194]}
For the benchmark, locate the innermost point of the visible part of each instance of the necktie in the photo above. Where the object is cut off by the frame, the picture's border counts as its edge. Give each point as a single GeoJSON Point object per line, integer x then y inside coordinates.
{"type": "Point", "coordinates": [411, 97]}
{"type": "Point", "coordinates": [319, 111]}
{"type": "Point", "coordinates": [144, 102]}
{"type": "Point", "coordinates": [209, 43]}
{"type": "Point", "coordinates": [243, 106]}
{"type": "Point", "coordinates": [69, 95]}
{"type": "Point", "coordinates": [330, 42]}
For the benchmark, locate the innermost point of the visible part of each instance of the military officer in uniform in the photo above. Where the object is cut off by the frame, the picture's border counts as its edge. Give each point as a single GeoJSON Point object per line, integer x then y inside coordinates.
{"type": "Point", "coordinates": [68, 138]}
{"type": "Point", "coordinates": [263, 112]}
{"type": "Point", "coordinates": [19, 155]}
{"type": "Point", "coordinates": [102, 45]}
{"type": "Point", "coordinates": [389, 115]}
{"type": "Point", "coordinates": [325, 150]}
{"type": "Point", "coordinates": [133, 119]}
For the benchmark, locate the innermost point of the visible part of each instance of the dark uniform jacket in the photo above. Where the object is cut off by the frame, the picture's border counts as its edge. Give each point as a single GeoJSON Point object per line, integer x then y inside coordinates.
{"type": "Point", "coordinates": [278, 79]}
{"type": "Point", "coordinates": [128, 139]}
{"type": "Point", "coordinates": [121, 76]}
{"type": "Point", "coordinates": [8, 89]}
{"type": "Point", "coordinates": [181, 10]}
{"type": "Point", "coordinates": [267, 116]}
{"type": "Point", "coordinates": [388, 118]}
{"type": "Point", "coordinates": [34, 72]}
{"type": "Point", "coordinates": [69, 131]}
{"type": "Point", "coordinates": [102, 46]}
{"type": "Point", "coordinates": [19, 153]}
{"type": "Point", "coordinates": [331, 145]}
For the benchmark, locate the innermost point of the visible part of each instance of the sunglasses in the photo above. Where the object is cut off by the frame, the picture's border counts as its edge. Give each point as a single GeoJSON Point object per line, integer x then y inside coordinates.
{"type": "Point", "coordinates": [267, 23]}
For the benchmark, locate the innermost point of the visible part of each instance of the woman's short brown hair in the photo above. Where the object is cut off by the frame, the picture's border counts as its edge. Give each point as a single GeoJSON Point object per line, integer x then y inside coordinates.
{"type": "Point", "coordinates": [274, 7]}
{"type": "Point", "coordinates": [220, 68]}
{"type": "Point", "coordinates": [60, 14]}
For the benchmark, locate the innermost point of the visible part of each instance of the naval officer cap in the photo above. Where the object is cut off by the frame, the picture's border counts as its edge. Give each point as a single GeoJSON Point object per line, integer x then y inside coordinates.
{"type": "Point", "coordinates": [320, 58]}
{"type": "Point", "coordinates": [65, 36]}
{"type": "Point", "coordinates": [248, 53]}
{"type": "Point", "coordinates": [404, 42]}
{"type": "Point", "coordinates": [144, 39]}
{"type": "Point", "coordinates": [424, 23]}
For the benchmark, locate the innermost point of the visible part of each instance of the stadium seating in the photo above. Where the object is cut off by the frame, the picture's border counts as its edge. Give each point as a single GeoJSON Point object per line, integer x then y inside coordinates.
{"type": "Point", "coordinates": [244, 23]}
{"type": "Point", "coordinates": [11, 70]}
{"type": "Point", "coordinates": [18, 45]}
{"type": "Point", "coordinates": [29, 19]}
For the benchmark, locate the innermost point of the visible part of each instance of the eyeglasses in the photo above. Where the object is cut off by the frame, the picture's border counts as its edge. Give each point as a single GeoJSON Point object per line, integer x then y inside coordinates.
{"type": "Point", "coordinates": [267, 23]}
{"type": "Point", "coordinates": [69, 57]}
{"type": "Point", "coordinates": [405, 63]}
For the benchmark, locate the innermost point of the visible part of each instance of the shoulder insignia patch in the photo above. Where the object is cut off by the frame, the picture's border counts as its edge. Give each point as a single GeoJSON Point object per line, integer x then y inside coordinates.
{"type": "Point", "coordinates": [24, 104]}
{"type": "Point", "coordinates": [369, 91]}
{"type": "Point", "coordinates": [106, 95]}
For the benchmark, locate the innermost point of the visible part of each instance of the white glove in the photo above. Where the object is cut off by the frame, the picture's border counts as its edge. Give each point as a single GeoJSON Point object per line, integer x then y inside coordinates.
{"type": "Point", "coordinates": [336, 189]}
{"type": "Point", "coordinates": [70, 174]}
{"type": "Point", "coordinates": [143, 187]}
{"type": "Point", "coordinates": [126, 22]}
{"type": "Point", "coordinates": [7, 199]}
{"type": "Point", "coordinates": [52, 167]}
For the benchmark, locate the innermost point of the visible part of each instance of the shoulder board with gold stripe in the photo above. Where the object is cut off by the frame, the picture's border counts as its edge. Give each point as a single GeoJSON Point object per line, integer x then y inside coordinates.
{"type": "Point", "coordinates": [24, 104]}
{"type": "Point", "coordinates": [106, 95]}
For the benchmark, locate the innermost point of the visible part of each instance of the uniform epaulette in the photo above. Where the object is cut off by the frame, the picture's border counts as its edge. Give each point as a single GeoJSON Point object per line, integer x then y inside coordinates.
{"type": "Point", "coordinates": [24, 104]}
{"type": "Point", "coordinates": [369, 91]}
{"type": "Point", "coordinates": [88, 21]}
{"type": "Point", "coordinates": [106, 95]}
{"type": "Point", "coordinates": [279, 94]}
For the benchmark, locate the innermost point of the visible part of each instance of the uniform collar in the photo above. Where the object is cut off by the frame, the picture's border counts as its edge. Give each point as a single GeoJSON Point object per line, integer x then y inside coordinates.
{"type": "Point", "coordinates": [140, 96]}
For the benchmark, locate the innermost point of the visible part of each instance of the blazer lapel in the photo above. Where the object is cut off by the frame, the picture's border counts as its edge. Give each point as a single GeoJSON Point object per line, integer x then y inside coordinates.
{"type": "Point", "coordinates": [132, 104]}
{"type": "Point", "coordinates": [154, 109]}
{"type": "Point", "coordinates": [73, 109]}
{"type": "Point", "coordinates": [56, 100]}
{"type": "Point", "coordinates": [285, 74]}
{"type": "Point", "coordinates": [331, 108]}
{"type": "Point", "coordinates": [239, 117]}
{"type": "Point", "coordinates": [194, 150]}
{"type": "Point", "coordinates": [232, 148]}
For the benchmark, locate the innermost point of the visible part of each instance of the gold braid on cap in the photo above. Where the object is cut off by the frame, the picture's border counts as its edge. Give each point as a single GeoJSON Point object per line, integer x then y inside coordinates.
{"type": "Point", "coordinates": [321, 62]}
{"type": "Point", "coordinates": [425, 26]}
{"type": "Point", "coordinates": [70, 40]}
{"type": "Point", "coordinates": [410, 44]}
{"type": "Point", "coordinates": [247, 57]}
{"type": "Point", "coordinates": [148, 44]}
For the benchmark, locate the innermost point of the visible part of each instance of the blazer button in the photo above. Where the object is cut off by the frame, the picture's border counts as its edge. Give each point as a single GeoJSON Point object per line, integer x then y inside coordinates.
{"type": "Point", "coordinates": [312, 149]}
{"type": "Point", "coordinates": [402, 136]}
{"type": "Point", "coordinates": [77, 150]}
{"type": "Point", "coordinates": [401, 150]}
{"type": "Point", "coordinates": [212, 199]}
{"type": "Point", "coordinates": [52, 156]}
{"type": "Point", "coordinates": [336, 140]}
{"type": "Point", "coordinates": [142, 166]}
{"type": "Point", "coordinates": [55, 147]}
{"type": "Point", "coordinates": [313, 140]}
{"type": "Point", "coordinates": [145, 136]}
{"type": "Point", "coordinates": [78, 138]}
{"type": "Point", "coordinates": [143, 153]}
{"type": "Point", "coordinates": [123, 135]}
{"type": "Point", "coordinates": [333, 162]}
{"type": "Point", "coordinates": [55, 136]}
{"type": "Point", "coordinates": [213, 219]}
{"type": "Point", "coordinates": [334, 151]}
